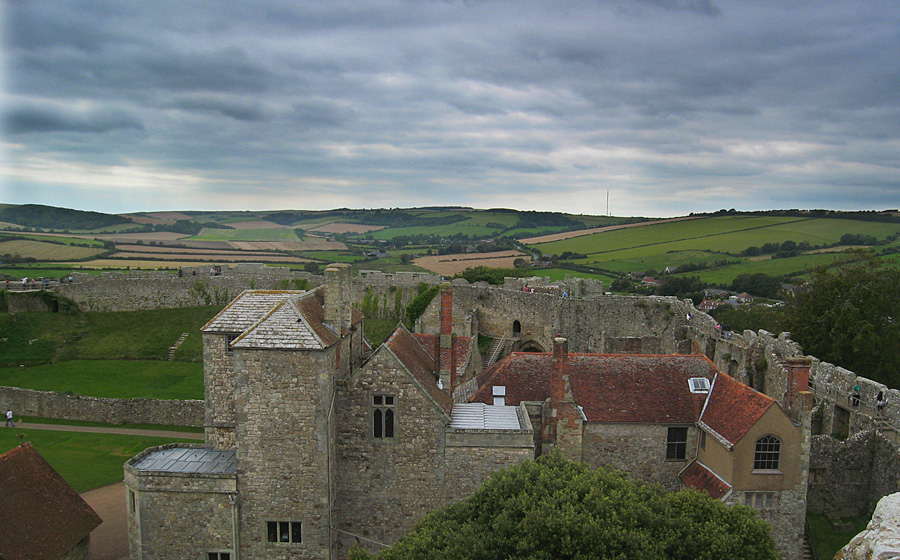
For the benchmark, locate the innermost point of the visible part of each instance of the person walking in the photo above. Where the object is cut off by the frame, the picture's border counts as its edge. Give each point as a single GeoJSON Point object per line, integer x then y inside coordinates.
{"type": "Point", "coordinates": [9, 418]}
{"type": "Point", "coordinates": [880, 401]}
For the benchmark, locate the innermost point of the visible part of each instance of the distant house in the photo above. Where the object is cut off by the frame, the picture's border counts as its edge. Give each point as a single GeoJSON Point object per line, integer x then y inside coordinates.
{"type": "Point", "coordinates": [41, 517]}
{"type": "Point", "coordinates": [744, 297]}
{"type": "Point", "coordinates": [708, 305]}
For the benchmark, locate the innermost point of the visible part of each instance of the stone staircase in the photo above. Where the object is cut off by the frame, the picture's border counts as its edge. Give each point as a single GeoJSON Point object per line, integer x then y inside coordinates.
{"type": "Point", "coordinates": [175, 346]}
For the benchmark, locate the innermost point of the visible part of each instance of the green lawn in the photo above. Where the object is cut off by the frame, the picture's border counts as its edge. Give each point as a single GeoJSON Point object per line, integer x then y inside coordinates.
{"type": "Point", "coordinates": [121, 379]}
{"type": "Point", "coordinates": [85, 461]}
{"type": "Point", "coordinates": [829, 541]}
{"type": "Point", "coordinates": [35, 338]}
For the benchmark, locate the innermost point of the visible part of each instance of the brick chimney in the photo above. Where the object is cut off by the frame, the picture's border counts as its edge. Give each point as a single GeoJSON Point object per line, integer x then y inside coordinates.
{"type": "Point", "coordinates": [445, 351]}
{"type": "Point", "coordinates": [797, 368]}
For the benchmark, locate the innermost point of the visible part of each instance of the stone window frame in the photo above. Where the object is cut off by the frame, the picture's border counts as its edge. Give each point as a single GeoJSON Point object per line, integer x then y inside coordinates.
{"type": "Point", "coordinates": [132, 502]}
{"type": "Point", "coordinates": [760, 500]}
{"type": "Point", "coordinates": [767, 455]}
{"type": "Point", "coordinates": [703, 440]}
{"type": "Point", "coordinates": [217, 554]}
{"type": "Point", "coordinates": [676, 447]}
{"type": "Point", "coordinates": [383, 402]}
{"type": "Point", "coordinates": [277, 524]}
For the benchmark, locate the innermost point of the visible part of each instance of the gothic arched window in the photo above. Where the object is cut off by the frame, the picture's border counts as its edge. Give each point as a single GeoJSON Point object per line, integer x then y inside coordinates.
{"type": "Point", "coordinates": [768, 454]}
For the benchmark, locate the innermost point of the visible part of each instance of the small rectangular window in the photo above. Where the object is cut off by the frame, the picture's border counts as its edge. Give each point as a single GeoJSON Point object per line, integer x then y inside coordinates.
{"type": "Point", "coordinates": [131, 502]}
{"type": "Point", "coordinates": [383, 416]}
{"type": "Point", "coordinates": [702, 440]}
{"type": "Point", "coordinates": [759, 500]}
{"type": "Point", "coordinates": [284, 532]}
{"type": "Point", "coordinates": [676, 444]}
{"type": "Point", "coordinates": [499, 392]}
{"type": "Point", "coordinates": [218, 556]}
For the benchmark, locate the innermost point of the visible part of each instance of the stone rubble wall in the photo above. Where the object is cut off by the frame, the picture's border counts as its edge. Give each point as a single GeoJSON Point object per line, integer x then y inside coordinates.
{"type": "Point", "coordinates": [50, 404]}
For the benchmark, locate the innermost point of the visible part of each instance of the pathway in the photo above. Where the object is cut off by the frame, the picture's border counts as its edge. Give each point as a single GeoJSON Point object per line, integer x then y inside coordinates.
{"type": "Point", "coordinates": [105, 430]}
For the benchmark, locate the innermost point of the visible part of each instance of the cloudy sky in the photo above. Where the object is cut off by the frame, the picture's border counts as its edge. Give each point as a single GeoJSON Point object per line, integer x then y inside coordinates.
{"type": "Point", "coordinates": [670, 106]}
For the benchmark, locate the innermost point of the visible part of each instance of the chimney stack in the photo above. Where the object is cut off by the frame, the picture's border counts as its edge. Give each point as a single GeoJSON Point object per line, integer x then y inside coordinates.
{"type": "Point", "coordinates": [337, 296]}
{"type": "Point", "coordinates": [797, 382]}
{"type": "Point", "coordinates": [445, 355]}
{"type": "Point", "coordinates": [560, 358]}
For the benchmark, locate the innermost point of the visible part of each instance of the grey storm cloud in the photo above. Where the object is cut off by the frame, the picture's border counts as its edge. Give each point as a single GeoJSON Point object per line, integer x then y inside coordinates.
{"type": "Point", "coordinates": [281, 103]}
{"type": "Point", "coordinates": [21, 120]}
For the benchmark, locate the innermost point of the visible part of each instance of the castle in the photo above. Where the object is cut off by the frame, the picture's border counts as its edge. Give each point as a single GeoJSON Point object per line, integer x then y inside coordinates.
{"type": "Point", "coordinates": [316, 442]}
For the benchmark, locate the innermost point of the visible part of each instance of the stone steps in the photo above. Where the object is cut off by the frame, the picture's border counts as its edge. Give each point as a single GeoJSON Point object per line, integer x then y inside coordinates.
{"type": "Point", "coordinates": [175, 346]}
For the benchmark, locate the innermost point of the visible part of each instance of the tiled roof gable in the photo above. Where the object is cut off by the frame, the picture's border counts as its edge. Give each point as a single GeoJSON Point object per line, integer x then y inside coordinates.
{"type": "Point", "coordinates": [246, 309]}
{"type": "Point", "coordinates": [733, 408]}
{"type": "Point", "coordinates": [419, 364]}
{"type": "Point", "coordinates": [40, 515]}
{"type": "Point", "coordinates": [283, 327]}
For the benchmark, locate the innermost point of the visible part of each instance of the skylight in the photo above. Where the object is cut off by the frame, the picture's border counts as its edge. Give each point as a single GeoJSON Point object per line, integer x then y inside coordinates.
{"type": "Point", "coordinates": [699, 384]}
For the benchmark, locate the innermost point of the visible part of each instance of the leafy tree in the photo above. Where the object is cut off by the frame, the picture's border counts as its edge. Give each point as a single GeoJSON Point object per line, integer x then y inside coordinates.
{"type": "Point", "coordinates": [850, 316]}
{"type": "Point", "coordinates": [682, 286]}
{"type": "Point", "coordinates": [757, 284]}
{"type": "Point", "coordinates": [751, 317]}
{"type": "Point", "coordinates": [521, 263]}
{"type": "Point", "coordinates": [556, 509]}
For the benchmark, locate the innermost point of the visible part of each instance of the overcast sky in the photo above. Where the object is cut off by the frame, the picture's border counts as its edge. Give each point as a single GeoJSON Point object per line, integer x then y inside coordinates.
{"type": "Point", "coordinates": [671, 106]}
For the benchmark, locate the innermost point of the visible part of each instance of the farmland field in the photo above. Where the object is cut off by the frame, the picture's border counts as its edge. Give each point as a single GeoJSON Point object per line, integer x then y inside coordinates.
{"type": "Point", "coordinates": [582, 232]}
{"type": "Point", "coordinates": [308, 244]}
{"type": "Point", "coordinates": [46, 251]}
{"type": "Point", "coordinates": [234, 256]}
{"type": "Point", "coordinates": [445, 230]}
{"type": "Point", "coordinates": [448, 265]}
{"type": "Point", "coordinates": [260, 234]}
{"type": "Point", "coordinates": [339, 227]}
{"type": "Point", "coordinates": [186, 250]}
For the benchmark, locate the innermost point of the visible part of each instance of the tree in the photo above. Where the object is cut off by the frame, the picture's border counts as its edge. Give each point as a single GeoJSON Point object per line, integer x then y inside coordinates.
{"type": "Point", "coordinates": [849, 315]}
{"type": "Point", "coordinates": [521, 263]}
{"type": "Point", "coordinates": [759, 284]}
{"type": "Point", "coordinates": [557, 509]}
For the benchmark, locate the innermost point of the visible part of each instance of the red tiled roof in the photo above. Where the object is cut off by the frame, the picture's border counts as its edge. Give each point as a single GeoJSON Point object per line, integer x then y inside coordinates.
{"type": "Point", "coordinates": [41, 517]}
{"type": "Point", "coordinates": [733, 408]}
{"type": "Point", "coordinates": [609, 387]}
{"type": "Point", "coordinates": [461, 346]}
{"type": "Point", "coordinates": [419, 364]}
{"type": "Point", "coordinates": [699, 477]}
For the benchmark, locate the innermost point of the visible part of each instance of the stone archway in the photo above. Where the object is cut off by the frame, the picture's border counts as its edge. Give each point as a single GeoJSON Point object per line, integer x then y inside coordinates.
{"type": "Point", "coordinates": [516, 330]}
{"type": "Point", "coordinates": [531, 346]}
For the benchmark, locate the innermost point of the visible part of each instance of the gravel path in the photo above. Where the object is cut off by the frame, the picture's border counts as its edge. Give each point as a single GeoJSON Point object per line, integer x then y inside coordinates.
{"type": "Point", "coordinates": [104, 430]}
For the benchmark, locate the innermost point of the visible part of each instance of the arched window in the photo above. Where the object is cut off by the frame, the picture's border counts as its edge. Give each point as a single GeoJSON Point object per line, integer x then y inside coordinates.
{"type": "Point", "coordinates": [768, 453]}
{"type": "Point", "coordinates": [517, 329]}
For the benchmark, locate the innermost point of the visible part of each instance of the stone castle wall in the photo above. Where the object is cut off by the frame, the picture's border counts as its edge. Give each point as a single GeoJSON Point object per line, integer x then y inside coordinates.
{"type": "Point", "coordinates": [49, 404]}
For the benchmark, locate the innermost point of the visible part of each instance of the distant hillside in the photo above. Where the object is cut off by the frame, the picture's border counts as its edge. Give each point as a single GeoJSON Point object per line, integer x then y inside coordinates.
{"type": "Point", "coordinates": [50, 217]}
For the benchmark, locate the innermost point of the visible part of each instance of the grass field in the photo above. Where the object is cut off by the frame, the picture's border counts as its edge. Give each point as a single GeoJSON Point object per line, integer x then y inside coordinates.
{"type": "Point", "coordinates": [86, 461]}
{"type": "Point", "coordinates": [442, 230]}
{"type": "Point", "coordinates": [55, 238]}
{"type": "Point", "coordinates": [448, 265]}
{"type": "Point", "coordinates": [116, 379]}
{"type": "Point", "coordinates": [37, 338]}
{"type": "Point", "coordinates": [41, 270]}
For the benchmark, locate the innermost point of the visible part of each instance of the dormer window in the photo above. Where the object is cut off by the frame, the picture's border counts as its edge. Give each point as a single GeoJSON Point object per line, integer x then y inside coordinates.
{"type": "Point", "coordinates": [699, 384]}
{"type": "Point", "coordinates": [499, 395]}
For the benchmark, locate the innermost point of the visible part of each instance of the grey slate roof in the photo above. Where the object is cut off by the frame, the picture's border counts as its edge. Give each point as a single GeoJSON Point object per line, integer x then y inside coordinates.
{"type": "Point", "coordinates": [246, 309]}
{"type": "Point", "coordinates": [480, 416]}
{"type": "Point", "coordinates": [285, 327]}
{"type": "Point", "coordinates": [189, 460]}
